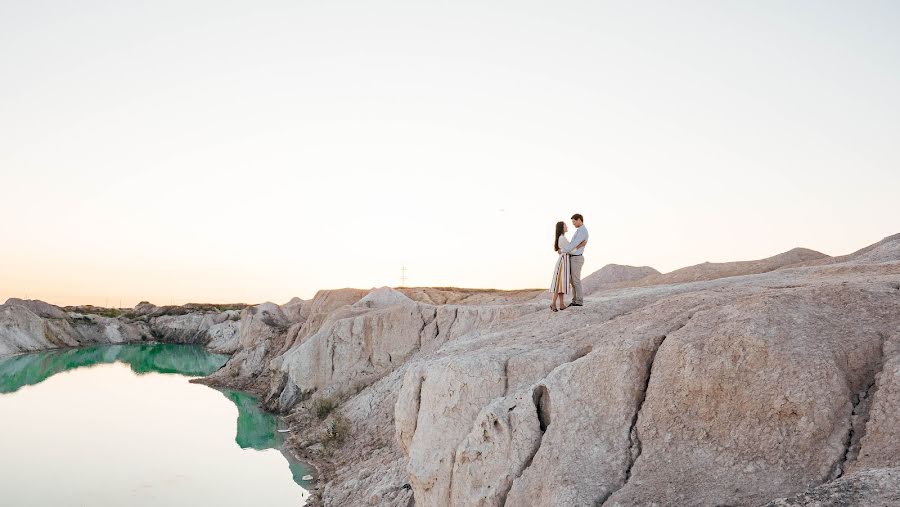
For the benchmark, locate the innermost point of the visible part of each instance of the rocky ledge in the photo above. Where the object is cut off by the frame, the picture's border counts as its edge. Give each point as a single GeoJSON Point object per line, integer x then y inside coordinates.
{"type": "Point", "coordinates": [773, 381]}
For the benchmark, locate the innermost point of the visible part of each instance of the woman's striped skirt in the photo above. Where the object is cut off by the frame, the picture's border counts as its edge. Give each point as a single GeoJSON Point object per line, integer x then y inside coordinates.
{"type": "Point", "coordinates": [561, 276]}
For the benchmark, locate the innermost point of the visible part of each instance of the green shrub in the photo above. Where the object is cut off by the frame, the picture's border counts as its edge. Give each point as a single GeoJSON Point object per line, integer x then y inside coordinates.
{"type": "Point", "coordinates": [323, 406]}
{"type": "Point", "coordinates": [336, 430]}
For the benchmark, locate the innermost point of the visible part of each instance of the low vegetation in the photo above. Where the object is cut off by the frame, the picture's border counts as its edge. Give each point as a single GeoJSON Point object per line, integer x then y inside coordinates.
{"type": "Point", "coordinates": [323, 407]}
{"type": "Point", "coordinates": [95, 310]}
{"type": "Point", "coordinates": [336, 430]}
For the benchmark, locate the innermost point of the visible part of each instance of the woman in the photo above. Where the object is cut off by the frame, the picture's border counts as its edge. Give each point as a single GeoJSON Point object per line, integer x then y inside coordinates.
{"type": "Point", "coordinates": [559, 287]}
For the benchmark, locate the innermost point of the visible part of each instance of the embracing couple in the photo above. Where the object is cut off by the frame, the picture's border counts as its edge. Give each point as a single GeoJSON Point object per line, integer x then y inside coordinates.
{"type": "Point", "coordinates": [569, 264]}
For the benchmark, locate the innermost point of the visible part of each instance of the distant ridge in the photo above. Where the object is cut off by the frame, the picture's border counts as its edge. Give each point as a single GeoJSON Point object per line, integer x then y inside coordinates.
{"type": "Point", "coordinates": [612, 275]}
{"type": "Point", "coordinates": [711, 270]}
{"type": "Point", "coordinates": [849, 257]}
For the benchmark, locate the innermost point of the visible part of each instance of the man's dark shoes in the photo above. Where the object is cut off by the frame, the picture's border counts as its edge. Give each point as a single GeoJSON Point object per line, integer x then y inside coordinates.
{"type": "Point", "coordinates": [575, 304]}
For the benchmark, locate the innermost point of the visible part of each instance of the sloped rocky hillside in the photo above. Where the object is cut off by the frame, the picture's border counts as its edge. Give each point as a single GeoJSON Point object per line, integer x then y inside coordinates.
{"type": "Point", "coordinates": [730, 384]}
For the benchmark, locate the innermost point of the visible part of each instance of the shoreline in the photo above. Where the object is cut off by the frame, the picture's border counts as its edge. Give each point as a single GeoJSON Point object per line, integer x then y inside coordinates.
{"type": "Point", "coordinates": [310, 464]}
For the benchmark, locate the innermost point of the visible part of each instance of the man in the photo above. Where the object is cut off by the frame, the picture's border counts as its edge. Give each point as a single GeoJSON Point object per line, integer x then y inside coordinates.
{"type": "Point", "coordinates": [576, 260]}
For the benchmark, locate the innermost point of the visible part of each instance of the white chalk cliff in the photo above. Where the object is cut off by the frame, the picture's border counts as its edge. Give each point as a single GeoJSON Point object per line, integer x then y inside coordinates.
{"type": "Point", "coordinates": [733, 383]}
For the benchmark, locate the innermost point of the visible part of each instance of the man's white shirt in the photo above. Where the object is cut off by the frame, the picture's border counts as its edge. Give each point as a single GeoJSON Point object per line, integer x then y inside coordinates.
{"type": "Point", "coordinates": [581, 234]}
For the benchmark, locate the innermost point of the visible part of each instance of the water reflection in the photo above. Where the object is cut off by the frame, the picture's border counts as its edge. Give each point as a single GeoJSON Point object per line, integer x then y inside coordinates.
{"type": "Point", "coordinates": [255, 428]}
{"type": "Point", "coordinates": [29, 369]}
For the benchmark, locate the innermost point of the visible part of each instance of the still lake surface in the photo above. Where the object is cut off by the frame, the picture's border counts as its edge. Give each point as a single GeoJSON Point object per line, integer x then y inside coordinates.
{"type": "Point", "coordinates": [121, 425]}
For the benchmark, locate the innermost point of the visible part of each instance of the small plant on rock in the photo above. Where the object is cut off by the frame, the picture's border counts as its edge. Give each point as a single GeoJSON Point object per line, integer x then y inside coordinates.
{"type": "Point", "coordinates": [323, 406]}
{"type": "Point", "coordinates": [336, 430]}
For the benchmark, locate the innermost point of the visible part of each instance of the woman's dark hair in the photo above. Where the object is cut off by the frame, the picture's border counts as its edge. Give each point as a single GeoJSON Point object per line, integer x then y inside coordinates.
{"type": "Point", "coordinates": [560, 228]}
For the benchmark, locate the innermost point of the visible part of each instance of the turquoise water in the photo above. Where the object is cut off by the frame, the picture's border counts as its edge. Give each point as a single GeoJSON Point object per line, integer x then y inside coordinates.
{"type": "Point", "coordinates": [121, 425]}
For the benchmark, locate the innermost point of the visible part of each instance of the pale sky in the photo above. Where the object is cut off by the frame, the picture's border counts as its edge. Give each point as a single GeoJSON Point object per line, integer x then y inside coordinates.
{"type": "Point", "coordinates": [208, 151]}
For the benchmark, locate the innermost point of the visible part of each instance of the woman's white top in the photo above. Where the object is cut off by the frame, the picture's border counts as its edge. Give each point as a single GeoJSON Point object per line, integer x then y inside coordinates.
{"type": "Point", "coordinates": [561, 275]}
{"type": "Point", "coordinates": [563, 242]}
